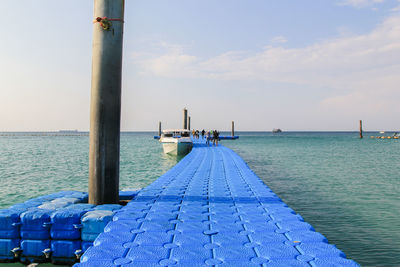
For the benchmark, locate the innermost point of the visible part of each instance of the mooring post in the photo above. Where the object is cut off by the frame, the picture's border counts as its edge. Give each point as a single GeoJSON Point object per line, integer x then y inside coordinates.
{"type": "Point", "coordinates": [105, 106]}
{"type": "Point", "coordinates": [185, 119]}
{"type": "Point", "coordinates": [361, 130]}
{"type": "Point", "coordinates": [233, 128]}
{"type": "Point", "coordinates": [189, 123]}
{"type": "Point", "coordinates": [159, 128]}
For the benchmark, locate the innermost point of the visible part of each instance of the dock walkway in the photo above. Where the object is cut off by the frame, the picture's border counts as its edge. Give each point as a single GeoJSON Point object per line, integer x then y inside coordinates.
{"type": "Point", "coordinates": [210, 210]}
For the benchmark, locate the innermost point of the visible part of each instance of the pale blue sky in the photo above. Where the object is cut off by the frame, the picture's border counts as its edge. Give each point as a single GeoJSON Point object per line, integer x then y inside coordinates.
{"type": "Point", "coordinates": [297, 65]}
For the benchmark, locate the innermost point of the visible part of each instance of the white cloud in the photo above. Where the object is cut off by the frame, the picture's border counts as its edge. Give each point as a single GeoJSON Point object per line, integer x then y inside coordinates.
{"type": "Point", "coordinates": [321, 63]}
{"type": "Point", "coordinates": [360, 3]}
{"type": "Point", "coordinates": [279, 40]}
{"type": "Point", "coordinates": [362, 69]}
{"type": "Point", "coordinates": [397, 8]}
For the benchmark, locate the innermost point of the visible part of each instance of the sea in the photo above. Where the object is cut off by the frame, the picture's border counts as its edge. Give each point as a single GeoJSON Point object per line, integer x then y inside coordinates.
{"type": "Point", "coordinates": [346, 187]}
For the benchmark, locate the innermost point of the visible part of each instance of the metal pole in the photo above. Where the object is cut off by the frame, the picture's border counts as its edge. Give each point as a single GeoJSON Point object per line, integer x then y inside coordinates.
{"type": "Point", "coordinates": [159, 128]}
{"type": "Point", "coordinates": [185, 118]}
{"type": "Point", "coordinates": [105, 107]}
{"type": "Point", "coordinates": [189, 123]}
{"type": "Point", "coordinates": [233, 128]}
{"type": "Point", "coordinates": [361, 130]}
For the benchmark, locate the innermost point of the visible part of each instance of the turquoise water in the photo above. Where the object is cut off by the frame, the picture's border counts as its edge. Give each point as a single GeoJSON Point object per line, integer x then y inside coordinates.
{"type": "Point", "coordinates": [347, 188]}
{"type": "Point", "coordinates": [33, 165]}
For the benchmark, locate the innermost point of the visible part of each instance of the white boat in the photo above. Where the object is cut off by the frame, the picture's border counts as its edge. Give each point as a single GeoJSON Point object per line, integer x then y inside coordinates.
{"type": "Point", "coordinates": [176, 141]}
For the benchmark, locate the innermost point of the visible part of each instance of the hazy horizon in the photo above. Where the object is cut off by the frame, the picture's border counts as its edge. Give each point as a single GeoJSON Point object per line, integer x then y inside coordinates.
{"type": "Point", "coordinates": [221, 130]}
{"type": "Point", "coordinates": [298, 66]}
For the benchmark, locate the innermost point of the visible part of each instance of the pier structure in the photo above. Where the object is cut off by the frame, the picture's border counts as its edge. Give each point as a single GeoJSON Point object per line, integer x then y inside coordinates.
{"type": "Point", "coordinates": [185, 119]}
{"type": "Point", "coordinates": [105, 107]}
{"type": "Point", "coordinates": [232, 136]}
{"type": "Point", "coordinates": [55, 228]}
{"type": "Point", "coordinates": [210, 210]}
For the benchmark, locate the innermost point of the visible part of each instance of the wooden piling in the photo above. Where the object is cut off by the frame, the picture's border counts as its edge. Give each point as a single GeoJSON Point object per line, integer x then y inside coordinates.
{"type": "Point", "coordinates": [233, 128]}
{"type": "Point", "coordinates": [189, 123]}
{"type": "Point", "coordinates": [361, 130]}
{"type": "Point", "coordinates": [105, 110]}
{"type": "Point", "coordinates": [185, 120]}
{"type": "Point", "coordinates": [159, 128]}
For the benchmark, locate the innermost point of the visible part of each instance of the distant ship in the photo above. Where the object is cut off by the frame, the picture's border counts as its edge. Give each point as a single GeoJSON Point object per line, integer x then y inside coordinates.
{"type": "Point", "coordinates": [277, 130]}
{"type": "Point", "coordinates": [68, 131]}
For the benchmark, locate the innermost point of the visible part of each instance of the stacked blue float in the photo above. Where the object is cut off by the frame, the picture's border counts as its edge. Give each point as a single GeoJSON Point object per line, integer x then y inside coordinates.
{"type": "Point", "coordinates": [15, 235]}
{"type": "Point", "coordinates": [94, 222]}
{"type": "Point", "coordinates": [57, 227]}
{"type": "Point", "coordinates": [9, 233]}
{"type": "Point", "coordinates": [36, 225]}
{"type": "Point", "coordinates": [65, 233]}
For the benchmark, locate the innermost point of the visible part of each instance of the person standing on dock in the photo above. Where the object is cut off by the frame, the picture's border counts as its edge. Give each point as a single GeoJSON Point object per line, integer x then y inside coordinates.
{"type": "Point", "coordinates": [202, 134]}
{"type": "Point", "coordinates": [214, 138]}
{"type": "Point", "coordinates": [208, 137]}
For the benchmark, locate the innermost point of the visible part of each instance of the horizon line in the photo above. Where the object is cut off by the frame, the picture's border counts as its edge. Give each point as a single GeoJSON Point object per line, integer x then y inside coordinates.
{"type": "Point", "coordinates": [236, 131]}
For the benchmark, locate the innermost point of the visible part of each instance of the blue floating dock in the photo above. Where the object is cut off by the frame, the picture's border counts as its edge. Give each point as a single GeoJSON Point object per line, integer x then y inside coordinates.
{"type": "Point", "coordinates": [57, 227]}
{"type": "Point", "coordinates": [229, 137]}
{"type": "Point", "coordinates": [210, 210]}
{"type": "Point", "coordinates": [221, 137]}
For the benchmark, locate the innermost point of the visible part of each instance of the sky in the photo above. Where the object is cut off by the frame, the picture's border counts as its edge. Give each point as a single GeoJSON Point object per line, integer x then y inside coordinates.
{"type": "Point", "coordinates": [307, 65]}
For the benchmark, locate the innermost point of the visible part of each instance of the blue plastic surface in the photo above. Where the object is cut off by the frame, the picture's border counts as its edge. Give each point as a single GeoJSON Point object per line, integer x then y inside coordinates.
{"type": "Point", "coordinates": [93, 223]}
{"type": "Point", "coordinates": [53, 206]}
{"type": "Point", "coordinates": [210, 210]}
{"type": "Point", "coordinates": [22, 206]}
{"type": "Point", "coordinates": [82, 206]}
{"type": "Point", "coordinates": [32, 250]}
{"type": "Point", "coordinates": [35, 202]}
{"type": "Point", "coordinates": [229, 137]}
{"type": "Point", "coordinates": [59, 203]}
{"type": "Point", "coordinates": [64, 251]}
{"type": "Point", "coordinates": [31, 221]}
{"type": "Point", "coordinates": [82, 196]}
{"type": "Point", "coordinates": [112, 207]}
{"type": "Point", "coordinates": [86, 245]}
{"type": "Point", "coordinates": [6, 245]}
{"type": "Point", "coordinates": [9, 224]}
{"type": "Point", "coordinates": [128, 194]}
{"type": "Point", "coordinates": [35, 224]}
{"type": "Point", "coordinates": [66, 223]}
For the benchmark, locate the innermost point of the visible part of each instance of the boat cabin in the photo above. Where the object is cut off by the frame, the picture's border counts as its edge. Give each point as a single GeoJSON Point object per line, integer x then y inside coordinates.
{"type": "Point", "coordinates": [176, 133]}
